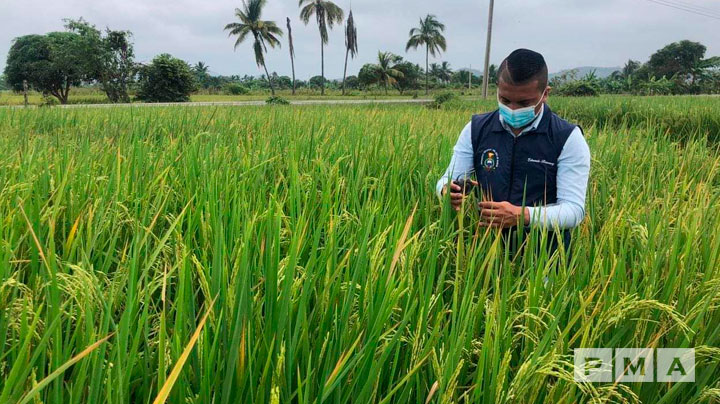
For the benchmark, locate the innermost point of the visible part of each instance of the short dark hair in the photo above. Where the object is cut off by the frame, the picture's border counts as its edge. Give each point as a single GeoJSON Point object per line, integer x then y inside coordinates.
{"type": "Point", "coordinates": [523, 66]}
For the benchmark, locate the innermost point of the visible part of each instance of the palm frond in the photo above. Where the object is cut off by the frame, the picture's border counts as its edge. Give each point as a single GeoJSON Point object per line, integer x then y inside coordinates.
{"type": "Point", "coordinates": [241, 38]}
{"type": "Point", "coordinates": [254, 8]}
{"type": "Point", "coordinates": [272, 40]}
{"type": "Point", "coordinates": [235, 28]}
{"type": "Point", "coordinates": [351, 36]}
{"type": "Point", "coordinates": [413, 42]}
{"type": "Point", "coordinates": [333, 13]}
{"type": "Point", "coordinates": [258, 47]}
{"type": "Point", "coordinates": [306, 13]}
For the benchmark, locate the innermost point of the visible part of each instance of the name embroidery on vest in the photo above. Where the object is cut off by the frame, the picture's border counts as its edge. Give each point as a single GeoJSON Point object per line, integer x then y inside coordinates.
{"type": "Point", "coordinates": [543, 161]}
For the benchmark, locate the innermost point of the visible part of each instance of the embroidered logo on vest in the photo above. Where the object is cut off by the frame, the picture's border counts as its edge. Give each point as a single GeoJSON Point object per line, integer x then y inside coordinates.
{"type": "Point", "coordinates": [489, 160]}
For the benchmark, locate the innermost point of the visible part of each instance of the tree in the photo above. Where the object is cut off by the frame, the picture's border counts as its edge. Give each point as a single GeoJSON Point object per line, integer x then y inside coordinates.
{"type": "Point", "coordinates": [351, 82]}
{"type": "Point", "coordinates": [411, 73]}
{"type": "Point", "coordinates": [283, 82]}
{"type": "Point", "coordinates": [106, 59]}
{"type": "Point", "coordinates": [49, 63]}
{"type": "Point", "coordinates": [3, 83]}
{"type": "Point", "coordinates": [441, 72]}
{"type": "Point", "coordinates": [386, 71]}
{"type": "Point", "coordinates": [565, 77]}
{"type": "Point", "coordinates": [201, 68]}
{"type": "Point", "coordinates": [327, 14]}
{"type": "Point", "coordinates": [264, 32]}
{"type": "Point", "coordinates": [630, 68]}
{"type": "Point", "coordinates": [316, 82]}
{"type": "Point", "coordinates": [429, 34]}
{"type": "Point", "coordinates": [166, 79]}
{"type": "Point", "coordinates": [119, 67]}
{"type": "Point", "coordinates": [492, 74]}
{"type": "Point", "coordinates": [202, 74]}
{"type": "Point", "coordinates": [680, 59]}
{"type": "Point", "coordinates": [704, 69]}
{"type": "Point", "coordinates": [367, 75]}
{"type": "Point", "coordinates": [459, 78]}
{"type": "Point", "coordinates": [579, 88]}
{"type": "Point", "coordinates": [292, 54]}
{"type": "Point", "coordinates": [351, 47]}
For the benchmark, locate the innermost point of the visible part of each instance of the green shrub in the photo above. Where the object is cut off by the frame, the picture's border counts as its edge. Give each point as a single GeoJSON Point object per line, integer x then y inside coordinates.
{"type": "Point", "coordinates": [49, 101]}
{"type": "Point", "coordinates": [275, 100]}
{"type": "Point", "coordinates": [236, 89]}
{"type": "Point", "coordinates": [166, 79]}
{"type": "Point", "coordinates": [580, 88]}
{"type": "Point", "coordinates": [441, 99]}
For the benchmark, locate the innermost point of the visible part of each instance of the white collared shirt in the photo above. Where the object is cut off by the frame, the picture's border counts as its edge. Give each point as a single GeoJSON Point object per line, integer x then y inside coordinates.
{"type": "Point", "coordinates": [573, 172]}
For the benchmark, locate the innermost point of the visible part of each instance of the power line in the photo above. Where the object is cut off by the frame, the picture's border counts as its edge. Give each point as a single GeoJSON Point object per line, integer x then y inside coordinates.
{"type": "Point", "coordinates": [678, 6]}
{"type": "Point", "coordinates": [667, 3]}
{"type": "Point", "coordinates": [696, 7]}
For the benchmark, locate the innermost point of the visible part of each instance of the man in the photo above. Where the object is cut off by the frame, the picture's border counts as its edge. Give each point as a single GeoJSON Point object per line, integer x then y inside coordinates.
{"type": "Point", "coordinates": [531, 166]}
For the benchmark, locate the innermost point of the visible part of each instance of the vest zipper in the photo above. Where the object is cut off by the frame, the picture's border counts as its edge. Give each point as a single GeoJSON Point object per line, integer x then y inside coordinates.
{"type": "Point", "coordinates": [512, 168]}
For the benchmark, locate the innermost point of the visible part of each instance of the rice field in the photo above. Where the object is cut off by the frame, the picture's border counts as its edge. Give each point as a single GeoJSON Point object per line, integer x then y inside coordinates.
{"type": "Point", "coordinates": [299, 254]}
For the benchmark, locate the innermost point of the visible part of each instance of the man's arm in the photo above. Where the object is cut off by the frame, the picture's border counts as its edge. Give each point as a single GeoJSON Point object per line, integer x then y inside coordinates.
{"type": "Point", "coordinates": [572, 180]}
{"type": "Point", "coordinates": [461, 163]}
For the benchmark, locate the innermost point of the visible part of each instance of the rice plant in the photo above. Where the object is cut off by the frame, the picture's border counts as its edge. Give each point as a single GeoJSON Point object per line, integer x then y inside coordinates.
{"type": "Point", "coordinates": [299, 254]}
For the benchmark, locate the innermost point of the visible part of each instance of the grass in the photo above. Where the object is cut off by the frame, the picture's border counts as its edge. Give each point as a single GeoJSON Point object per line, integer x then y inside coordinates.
{"type": "Point", "coordinates": [298, 254]}
{"type": "Point", "coordinates": [94, 96]}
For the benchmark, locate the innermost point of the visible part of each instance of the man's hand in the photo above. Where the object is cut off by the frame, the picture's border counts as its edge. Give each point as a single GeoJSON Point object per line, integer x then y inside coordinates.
{"type": "Point", "coordinates": [456, 194]}
{"type": "Point", "coordinates": [502, 214]}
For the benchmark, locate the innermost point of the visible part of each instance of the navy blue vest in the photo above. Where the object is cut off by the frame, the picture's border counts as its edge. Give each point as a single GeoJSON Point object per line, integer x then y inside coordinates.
{"type": "Point", "coordinates": [521, 170]}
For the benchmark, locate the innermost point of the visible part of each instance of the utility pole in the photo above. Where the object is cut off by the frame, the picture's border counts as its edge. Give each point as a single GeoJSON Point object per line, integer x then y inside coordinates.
{"type": "Point", "coordinates": [25, 91]}
{"type": "Point", "coordinates": [487, 50]}
{"type": "Point", "coordinates": [470, 78]}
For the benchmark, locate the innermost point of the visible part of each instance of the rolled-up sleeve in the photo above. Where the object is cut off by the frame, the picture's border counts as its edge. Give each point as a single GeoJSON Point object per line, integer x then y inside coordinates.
{"type": "Point", "coordinates": [461, 163]}
{"type": "Point", "coordinates": [573, 172]}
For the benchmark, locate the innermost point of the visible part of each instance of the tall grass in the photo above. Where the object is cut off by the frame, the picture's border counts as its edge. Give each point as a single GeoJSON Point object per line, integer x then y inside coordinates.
{"type": "Point", "coordinates": [298, 254]}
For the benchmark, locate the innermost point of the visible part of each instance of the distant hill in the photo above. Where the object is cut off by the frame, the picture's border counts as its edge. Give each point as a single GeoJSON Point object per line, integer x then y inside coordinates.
{"type": "Point", "coordinates": [601, 72]}
{"type": "Point", "coordinates": [475, 72]}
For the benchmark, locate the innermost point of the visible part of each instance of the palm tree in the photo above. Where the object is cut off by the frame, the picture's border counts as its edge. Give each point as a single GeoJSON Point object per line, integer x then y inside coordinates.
{"type": "Point", "coordinates": [264, 32]}
{"type": "Point", "coordinates": [350, 44]}
{"type": "Point", "coordinates": [445, 72]}
{"type": "Point", "coordinates": [429, 33]}
{"type": "Point", "coordinates": [630, 68]}
{"type": "Point", "coordinates": [292, 54]}
{"type": "Point", "coordinates": [435, 71]}
{"type": "Point", "coordinates": [386, 71]}
{"type": "Point", "coordinates": [201, 74]}
{"type": "Point", "coordinates": [492, 74]}
{"type": "Point", "coordinates": [327, 14]}
{"type": "Point", "coordinates": [201, 68]}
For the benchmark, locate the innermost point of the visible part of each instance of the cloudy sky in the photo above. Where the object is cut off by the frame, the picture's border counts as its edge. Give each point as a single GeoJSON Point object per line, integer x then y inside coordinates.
{"type": "Point", "coordinates": [569, 33]}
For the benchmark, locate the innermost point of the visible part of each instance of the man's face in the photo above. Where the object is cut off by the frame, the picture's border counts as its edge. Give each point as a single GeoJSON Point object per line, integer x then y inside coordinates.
{"type": "Point", "coordinates": [522, 96]}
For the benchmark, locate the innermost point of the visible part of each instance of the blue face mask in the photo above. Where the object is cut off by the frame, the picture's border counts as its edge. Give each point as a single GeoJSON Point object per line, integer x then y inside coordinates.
{"type": "Point", "coordinates": [517, 118]}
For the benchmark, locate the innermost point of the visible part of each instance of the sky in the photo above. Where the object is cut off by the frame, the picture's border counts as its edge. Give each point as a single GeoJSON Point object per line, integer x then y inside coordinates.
{"type": "Point", "coordinates": [569, 33]}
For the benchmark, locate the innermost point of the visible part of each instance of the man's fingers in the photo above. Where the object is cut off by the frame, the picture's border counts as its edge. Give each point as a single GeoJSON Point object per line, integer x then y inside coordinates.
{"type": "Point", "coordinates": [455, 187]}
{"type": "Point", "coordinates": [456, 196]}
{"type": "Point", "coordinates": [488, 213]}
{"type": "Point", "coordinates": [474, 183]}
{"type": "Point", "coordinates": [489, 205]}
